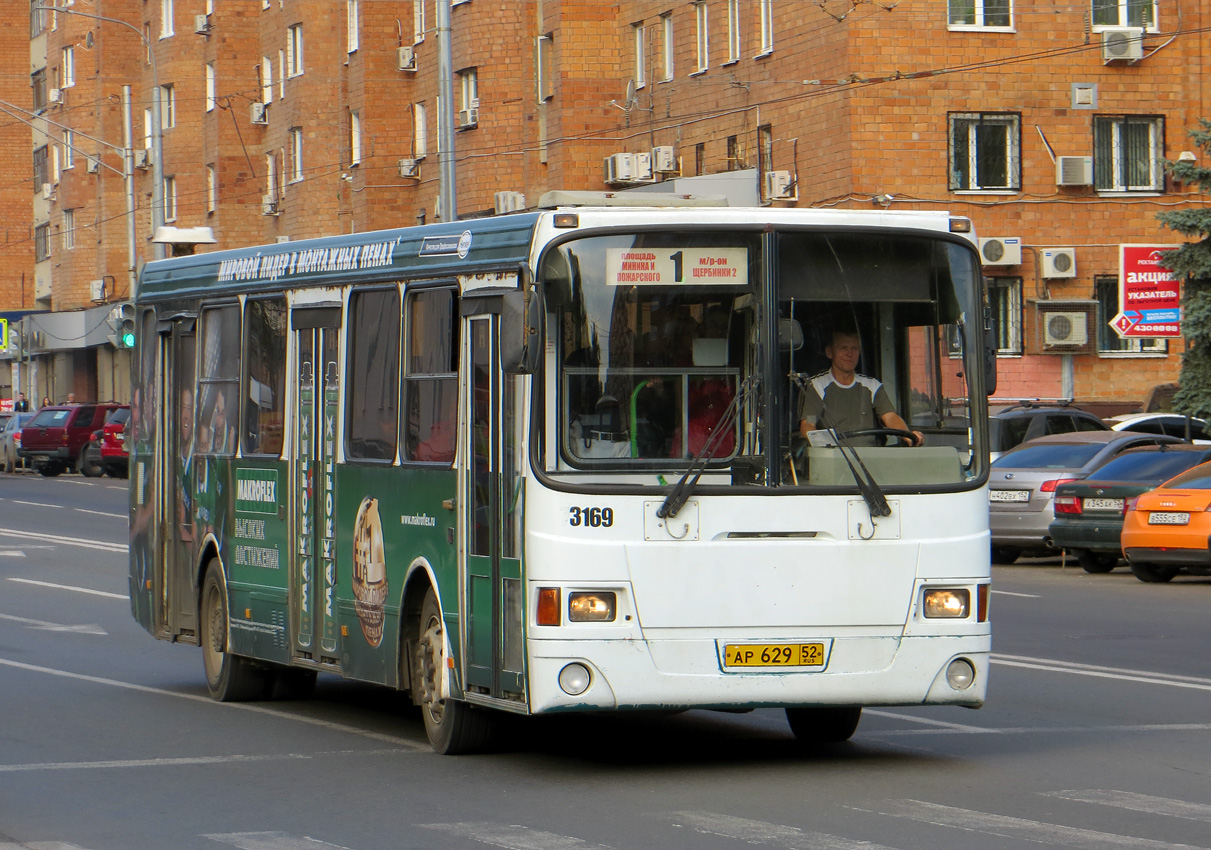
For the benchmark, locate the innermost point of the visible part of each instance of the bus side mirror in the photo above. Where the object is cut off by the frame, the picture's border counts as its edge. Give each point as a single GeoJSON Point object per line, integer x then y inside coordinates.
{"type": "Point", "coordinates": [990, 353]}
{"type": "Point", "coordinates": [520, 332]}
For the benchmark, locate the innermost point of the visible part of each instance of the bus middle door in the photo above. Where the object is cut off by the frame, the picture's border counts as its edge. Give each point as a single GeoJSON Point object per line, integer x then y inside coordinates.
{"type": "Point", "coordinates": [492, 486]}
{"type": "Point", "coordinates": [313, 564]}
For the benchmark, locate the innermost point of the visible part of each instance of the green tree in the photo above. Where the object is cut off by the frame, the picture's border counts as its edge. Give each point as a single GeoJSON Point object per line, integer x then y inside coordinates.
{"type": "Point", "coordinates": [1192, 263]}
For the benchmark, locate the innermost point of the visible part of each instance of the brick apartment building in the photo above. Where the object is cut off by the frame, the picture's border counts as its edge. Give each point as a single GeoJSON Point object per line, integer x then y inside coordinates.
{"type": "Point", "coordinates": [284, 119]}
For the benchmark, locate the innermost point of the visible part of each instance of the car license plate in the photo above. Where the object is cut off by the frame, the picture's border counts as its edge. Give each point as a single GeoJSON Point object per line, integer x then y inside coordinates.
{"type": "Point", "coordinates": [773, 655]}
{"type": "Point", "coordinates": [1168, 518]}
{"type": "Point", "coordinates": [1009, 495]}
{"type": "Point", "coordinates": [1103, 504]}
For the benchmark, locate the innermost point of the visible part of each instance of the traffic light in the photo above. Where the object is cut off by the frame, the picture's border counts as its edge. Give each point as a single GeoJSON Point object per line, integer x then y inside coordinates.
{"type": "Point", "coordinates": [122, 321]}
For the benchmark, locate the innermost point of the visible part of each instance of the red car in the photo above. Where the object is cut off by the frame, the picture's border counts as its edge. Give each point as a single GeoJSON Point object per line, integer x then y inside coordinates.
{"type": "Point", "coordinates": [106, 451]}
{"type": "Point", "coordinates": [54, 440]}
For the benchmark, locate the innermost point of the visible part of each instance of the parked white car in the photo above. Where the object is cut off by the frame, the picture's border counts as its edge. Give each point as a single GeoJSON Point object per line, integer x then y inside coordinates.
{"type": "Point", "coordinates": [1173, 424]}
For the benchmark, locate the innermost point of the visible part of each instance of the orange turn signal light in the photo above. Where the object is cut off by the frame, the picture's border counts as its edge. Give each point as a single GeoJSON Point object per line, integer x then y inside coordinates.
{"type": "Point", "coordinates": [548, 606]}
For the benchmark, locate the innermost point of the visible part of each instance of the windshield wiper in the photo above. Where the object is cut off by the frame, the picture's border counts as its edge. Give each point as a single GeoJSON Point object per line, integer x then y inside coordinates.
{"type": "Point", "coordinates": [684, 488]}
{"type": "Point", "coordinates": [872, 494]}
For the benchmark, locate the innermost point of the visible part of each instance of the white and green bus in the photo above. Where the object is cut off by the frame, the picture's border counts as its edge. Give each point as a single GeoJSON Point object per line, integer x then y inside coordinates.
{"type": "Point", "coordinates": [550, 462]}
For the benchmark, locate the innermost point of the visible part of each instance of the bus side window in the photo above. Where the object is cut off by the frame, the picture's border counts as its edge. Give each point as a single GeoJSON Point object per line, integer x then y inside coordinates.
{"type": "Point", "coordinates": [374, 329]}
{"type": "Point", "coordinates": [431, 377]}
{"type": "Point", "coordinates": [264, 375]}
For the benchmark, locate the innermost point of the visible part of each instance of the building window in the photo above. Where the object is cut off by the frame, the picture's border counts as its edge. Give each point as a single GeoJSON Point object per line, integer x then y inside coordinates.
{"type": "Point", "coordinates": [1128, 153]}
{"type": "Point", "coordinates": [170, 199]}
{"type": "Point", "coordinates": [1125, 13]}
{"type": "Point", "coordinates": [69, 149]}
{"type": "Point", "coordinates": [67, 68]}
{"type": "Point", "coordinates": [355, 138]}
{"type": "Point", "coordinates": [418, 21]}
{"type": "Point", "coordinates": [546, 72]}
{"type": "Point", "coordinates": [981, 13]}
{"type": "Point", "coordinates": [37, 83]}
{"type": "Point", "coordinates": [296, 154]}
{"type": "Point", "coordinates": [666, 46]}
{"type": "Point", "coordinates": [271, 176]}
{"type": "Point", "coordinates": [1005, 300]}
{"type": "Point", "coordinates": [984, 151]}
{"type": "Point", "coordinates": [1106, 289]}
{"type": "Point", "coordinates": [54, 164]}
{"type": "Point", "coordinates": [351, 26]}
{"type": "Point", "coordinates": [265, 79]}
{"type": "Point", "coordinates": [212, 189]}
{"type": "Point", "coordinates": [737, 154]}
{"type": "Point", "coordinates": [703, 36]}
{"type": "Point", "coordinates": [767, 26]}
{"type": "Point", "coordinates": [168, 107]}
{"type": "Point", "coordinates": [294, 50]}
{"type": "Point", "coordinates": [281, 73]}
{"type": "Point", "coordinates": [166, 18]}
{"type": "Point", "coordinates": [147, 129]}
{"type": "Point", "coordinates": [468, 97]}
{"type": "Point", "coordinates": [42, 242]}
{"type": "Point", "coordinates": [69, 229]}
{"type": "Point", "coordinates": [639, 36]}
{"type": "Point", "coordinates": [41, 168]}
{"type": "Point", "coordinates": [38, 17]}
{"type": "Point", "coordinates": [210, 87]}
{"type": "Point", "coordinates": [420, 131]}
{"type": "Point", "coordinates": [733, 30]}
{"type": "Point", "coordinates": [700, 159]}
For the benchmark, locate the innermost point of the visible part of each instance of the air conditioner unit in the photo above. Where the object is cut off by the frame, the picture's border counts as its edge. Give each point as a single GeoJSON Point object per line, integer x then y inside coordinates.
{"type": "Point", "coordinates": [1059, 262]}
{"type": "Point", "coordinates": [664, 161]}
{"type": "Point", "coordinates": [405, 59]}
{"type": "Point", "coordinates": [409, 168]}
{"type": "Point", "coordinates": [142, 158]}
{"type": "Point", "coordinates": [1001, 251]}
{"type": "Point", "coordinates": [1074, 171]}
{"type": "Point", "coordinates": [468, 117]}
{"type": "Point", "coordinates": [269, 205]}
{"type": "Point", "coordinates": [643, 166]}
{"type": "Point", "coordinates": [201, 24]}
{"type": "Point", "coordinates": [620, 168]}
{"type": "Point", "coordinates": [54, 96]}
{"type": "Point", "coordinates": [92, 165]}
{"type": "Point", "coordinates": [1065, 328]}
{"type": "Point", "coordinates": [258, 113]}
{"type": "Point", "coordinates": [507, 202]}
{"type": "Point", "coordinates": [48, 190]}
{"type": "Point", "coordinates": [1122, 44]}
{"type": "Point", "coordinates": [780, 186]}
{"type": "Point", "coordinates": [96, 290]}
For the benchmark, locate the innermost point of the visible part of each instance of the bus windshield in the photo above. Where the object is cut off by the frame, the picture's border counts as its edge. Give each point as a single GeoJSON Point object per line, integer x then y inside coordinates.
{"type": "Point", "coordinates": [674, 346]}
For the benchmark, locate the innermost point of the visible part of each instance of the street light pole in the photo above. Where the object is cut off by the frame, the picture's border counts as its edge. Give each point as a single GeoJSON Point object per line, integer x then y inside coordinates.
{"type": "Point", "coordinates": [159, 251]}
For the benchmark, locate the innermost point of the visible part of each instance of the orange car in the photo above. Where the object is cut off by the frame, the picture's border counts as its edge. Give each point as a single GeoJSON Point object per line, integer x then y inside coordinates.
{"type": "Point", "coordinates": [1167, 529]}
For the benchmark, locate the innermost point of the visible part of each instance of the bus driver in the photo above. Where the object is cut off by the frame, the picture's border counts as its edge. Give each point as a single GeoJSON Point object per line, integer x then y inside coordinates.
{"type": "Point", "coordinates": [854, 402]}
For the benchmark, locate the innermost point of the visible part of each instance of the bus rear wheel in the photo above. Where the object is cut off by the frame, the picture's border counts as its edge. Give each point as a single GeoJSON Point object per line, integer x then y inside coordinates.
{"type": "Point", "coordinates": [828, 725]}
{"type": "Point", "coordinates": [453, 727]}
{"type": "Point", "coordinates": [229, 678]}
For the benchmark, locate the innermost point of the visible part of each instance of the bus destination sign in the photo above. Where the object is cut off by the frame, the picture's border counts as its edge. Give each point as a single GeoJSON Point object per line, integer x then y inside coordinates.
{"type": "Point", "coordinates": [671, 267]}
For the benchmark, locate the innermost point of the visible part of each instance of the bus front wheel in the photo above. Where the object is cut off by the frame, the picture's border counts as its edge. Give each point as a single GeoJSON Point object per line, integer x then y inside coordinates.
{"type": "Point", "coordinates": [830, 725]}
{"type": "Point", "coordinates": [229, 678]}
{"type": "Point", "coordinates": [453, 727]}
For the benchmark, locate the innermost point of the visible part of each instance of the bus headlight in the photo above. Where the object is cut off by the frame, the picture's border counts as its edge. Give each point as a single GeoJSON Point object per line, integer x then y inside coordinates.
{"type": "Point", "coordinates": [960, 674]}
{"type": "Point", "coordinates": [592, 607]}
{"type": "Point", "coordinates": [946, 602]}
{"type": "Point", "coordinates": [574, 679]}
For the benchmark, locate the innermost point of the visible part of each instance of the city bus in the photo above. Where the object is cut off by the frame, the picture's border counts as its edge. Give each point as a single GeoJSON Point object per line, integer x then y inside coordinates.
{"type": "Point", "coordinates": [551, 461]}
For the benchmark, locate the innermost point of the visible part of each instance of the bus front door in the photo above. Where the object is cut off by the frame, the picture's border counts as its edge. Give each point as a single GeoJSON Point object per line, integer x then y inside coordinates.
{"type": "Point", "coordinates": [313, 565]}
{"type": "Point", "coordinates": [177, 579]}
{"type": "Point", "coordinates": [492, 576]}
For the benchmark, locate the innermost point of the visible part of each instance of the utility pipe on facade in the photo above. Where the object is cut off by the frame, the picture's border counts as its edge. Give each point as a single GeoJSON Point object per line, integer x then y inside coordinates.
{"type": "Point", "coordinates": [445, 115]}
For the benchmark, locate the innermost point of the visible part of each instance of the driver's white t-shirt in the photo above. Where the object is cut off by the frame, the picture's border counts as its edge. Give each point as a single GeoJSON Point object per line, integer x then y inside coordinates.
{"type": "Point", "coordinates": [851, 407]}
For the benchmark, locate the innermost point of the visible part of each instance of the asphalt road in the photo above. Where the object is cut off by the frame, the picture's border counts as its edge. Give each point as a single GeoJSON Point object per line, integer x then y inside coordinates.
{"type": "Point", "coordinates": [1095, 735]}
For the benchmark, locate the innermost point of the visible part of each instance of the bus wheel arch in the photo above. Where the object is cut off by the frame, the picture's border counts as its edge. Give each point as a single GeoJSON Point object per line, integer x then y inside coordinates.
{"type": "Point", "coordinates": [418, 582]}
{"type": "Point", "coordinates": [229, 677]}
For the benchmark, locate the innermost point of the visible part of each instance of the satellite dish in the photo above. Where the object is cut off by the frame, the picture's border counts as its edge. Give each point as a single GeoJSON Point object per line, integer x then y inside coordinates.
{"type": "Point", "coordinates": [630, 95]}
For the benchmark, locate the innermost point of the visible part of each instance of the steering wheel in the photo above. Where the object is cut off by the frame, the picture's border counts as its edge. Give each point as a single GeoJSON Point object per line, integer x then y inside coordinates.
{"type": "Point", "coordinates": [908, 437]}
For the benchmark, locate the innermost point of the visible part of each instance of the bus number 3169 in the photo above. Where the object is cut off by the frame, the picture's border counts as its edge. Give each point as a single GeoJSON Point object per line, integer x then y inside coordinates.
{"type": "Point", "coordinates": [591, 517]}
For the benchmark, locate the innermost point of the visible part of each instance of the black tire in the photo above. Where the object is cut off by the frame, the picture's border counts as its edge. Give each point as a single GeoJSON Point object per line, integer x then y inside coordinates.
{"type": "Point", "coordinates": [830, 725]}
{"type": "Point", "coordinates": [1005, 554]}
{"type": "Point", "coordinates": [1153, 573]}
{"type": "Point", "coordinates": [453, 727]}
{"type": "Point", "coordinates": [1097, 562]}
{"type": "Point", "coordinates": [229, 678]}
{"type": "Point", "coordinates": [87, 465]}
{"type": "Point", "coordinates": [50, 470]}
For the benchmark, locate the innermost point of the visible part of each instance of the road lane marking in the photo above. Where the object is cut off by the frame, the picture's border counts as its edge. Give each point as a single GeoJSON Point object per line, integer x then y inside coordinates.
{"type": "Point", "coordinates": [66, 541]}
{"type": "Point", "coordinates": [272, 841]}
{"type": "Point", "coordinates": [1125, 675]}
{"type": "Point", "coordinates": [87, 590]}
{"type": "Point", "coordinates": [768, 834]}
{"type": "Point", "coordinates": [1139, 803]}
{"type": "Point", "coordinates": [92, 629]}
{"type": "Point", "coordinates": [34, 504]}
{"type": "Point", "coordinates": [184, 761]}
{"type": "Point", "coordinates": [103, 513]}
{"type": "Point", "coordinates": [1049, 834]}
{"type": "Point", "coordinates": [508, 836]}
{"type": "Point", "coordinates": [13, 553]}
{"type": "Point", "coordinates": [926, 721]}
{"type": "Point", "coordinates": [394, 740]}
{"type": "Point", "coordinates": [1011, 593]}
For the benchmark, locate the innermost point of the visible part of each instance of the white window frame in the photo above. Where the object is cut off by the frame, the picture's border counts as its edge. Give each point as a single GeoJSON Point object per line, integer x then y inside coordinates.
{"type": "Point", "coordinates": [212, 189]}
{"type": "Point", "coordinates": [468, 88]}
{"type": "Point", "coordinates": [67, 68]}
{"type": "Point", "coordinates": [544, 47]}
{"type": "Point", "coordinates": [418, 21]}
{"type": "Point", "coordinates": [352, 27]}
{"type": "Point", "coordinates": [281, 73]}
{"type": "Point", "coordinates": [69, 149]}
{"type": "Point", "coordinates": [667, 48]}
{"type": "Point", "coordinates": [639, 32]}
{"type": "Point", "coordinates": [979, 16]}
{"type": "Point", "coordinates": [420, 131]}
{"type": "Point", "coordinates": [703, 36]}
{"type": "Point", "coordinates": [69, 229]}
{"type": "Point", "coordinates": [166, 15]}
{"type": "Point", "coordinates": [766, 16]}
{"type": "Point", "coordinates": [1122, 18]}
{"type": "Point", "coordinates": [355, 138]}
{"type": "Point", "coordinates": [1007, 312]}
{"type": "Point", "coordinates": [1156, 145]}
{"type": "Point", "coordinates": [733, 31]}
{"type": "Point", "coordinates": [296, 154]}
{"type": "Point", "coordinates": [54, 164]}
{"type": "Point", "coordinates": [170, 199]}
{"type": "Point", "coordinates": [147, 129]}
{"type": "Point", "coordinates": [271, 175]}
{"type": "Point", "coordinates": [266, 78]}
{"type": "Point", "coordinates": [168, 106]}
{"type": "Point", "coordinates": [974, 122]}
{"type": "Point", "coordinates": [211, 101]}
{"type": "Point", "coordinates": [294, 50]}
